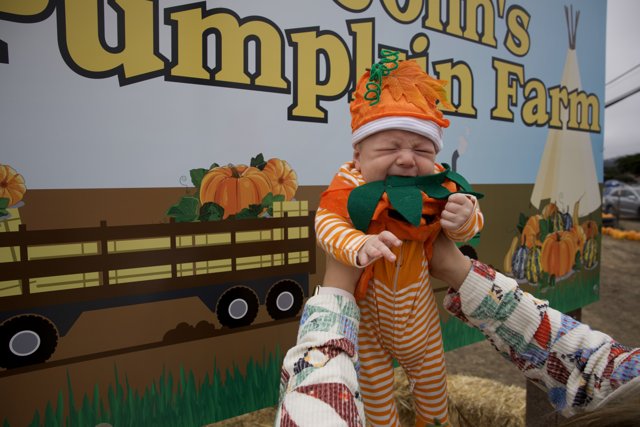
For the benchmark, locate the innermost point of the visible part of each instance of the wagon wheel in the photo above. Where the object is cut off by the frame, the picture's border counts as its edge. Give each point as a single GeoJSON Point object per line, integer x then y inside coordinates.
{"type": "Point", "coordinates": [237, 307]}
{"type": "Point", "coordinates": [26, 340]}
{"type": "Point", "coordinates": [284, 299]}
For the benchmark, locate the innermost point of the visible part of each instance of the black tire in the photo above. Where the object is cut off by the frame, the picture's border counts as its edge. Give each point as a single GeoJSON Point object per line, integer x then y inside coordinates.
{"type": "Point", "coordinates": [284, 299]}
{"type": "Point", "coordinates": [26, 340]}
{"type": "Point", "coordinates": [237, 307]}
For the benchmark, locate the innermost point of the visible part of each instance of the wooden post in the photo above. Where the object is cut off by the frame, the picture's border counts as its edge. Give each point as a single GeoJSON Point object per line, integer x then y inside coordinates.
{"type": "Point", "coordinates": [24, 259]}
{"type": "Point", "coordinates": [104, 251]}
{"type": "Point", "coordinates": [172, 225]}
{"type": "Point", "coordinates": [539, 411]}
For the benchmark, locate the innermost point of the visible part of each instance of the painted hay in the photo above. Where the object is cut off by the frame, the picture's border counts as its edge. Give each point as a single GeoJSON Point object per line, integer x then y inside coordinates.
{"type": "Point", "coordinates": [473, 401]}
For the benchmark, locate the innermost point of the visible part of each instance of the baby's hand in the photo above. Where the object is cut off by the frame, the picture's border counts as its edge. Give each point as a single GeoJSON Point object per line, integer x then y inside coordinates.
{"type": "Point", "coordinates": [456, 212]}
{"type": "Point", "coordinates": [378, 246]}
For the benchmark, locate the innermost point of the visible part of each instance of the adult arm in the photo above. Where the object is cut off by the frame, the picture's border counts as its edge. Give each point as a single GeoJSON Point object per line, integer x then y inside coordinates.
{"type": "Point", "coordinates": [578, 367]}
{"type": "Point", "coordinates": [319, 383]}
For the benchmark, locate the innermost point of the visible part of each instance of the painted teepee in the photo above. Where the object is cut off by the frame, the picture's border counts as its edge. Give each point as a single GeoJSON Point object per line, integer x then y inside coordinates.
{"type": "Point", "coordinates": [567, 172]}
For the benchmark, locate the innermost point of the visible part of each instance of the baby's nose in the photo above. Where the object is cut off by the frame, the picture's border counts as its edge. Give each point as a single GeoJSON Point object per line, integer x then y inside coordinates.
{"type": "Point", "coordinates": [406, 158]}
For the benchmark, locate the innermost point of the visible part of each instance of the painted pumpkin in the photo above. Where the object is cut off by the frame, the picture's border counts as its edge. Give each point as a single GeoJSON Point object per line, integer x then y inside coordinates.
{"type": "Point", "coordinates": [533, 265]}
{"type": "Point", "coordinates": [590, 254]}
{"type": "Point", "coordinates": [590, 229]}
{"type": "Point", "coordinates": [558, 253]}
{"type": "Point", "coordinates": [519, 262]}
{"type": "Point", "coordinates": [557, 223]}
{"type": "Point", "coordinates": [549, 210]}
{"type": "Point", "coordinates": [578, 236]}
{"type": "Point", "coordinates": [506, 263]}
{"type": "Point", "coordinates": [531, 231]}
{"type": "Point", "coordinates": [234, 187]}
{"type": "Point", "coordinates": [11, 185]}
{"type": "Point", "coordinates": [283, 179]}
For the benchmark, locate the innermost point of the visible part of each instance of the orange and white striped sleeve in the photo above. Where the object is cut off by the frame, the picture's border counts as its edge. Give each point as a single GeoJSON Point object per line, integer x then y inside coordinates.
{"type": "Point", "coordinates": [472, 225]}
{"type": "Point", "coordinates": [337, 237]}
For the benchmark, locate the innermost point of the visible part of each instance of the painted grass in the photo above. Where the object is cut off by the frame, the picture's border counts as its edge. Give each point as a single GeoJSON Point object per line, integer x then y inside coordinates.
{"type": "Point", "coordinates": [456, 334]}
{"type": "Point", "coordinates": [169, 401]}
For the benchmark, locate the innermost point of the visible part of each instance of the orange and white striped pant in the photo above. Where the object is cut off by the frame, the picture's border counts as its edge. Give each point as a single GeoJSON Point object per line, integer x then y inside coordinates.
{"type": "Point", "coordinates": [399, 319]}
{"type": "Point", "coordinates": [399, 316]}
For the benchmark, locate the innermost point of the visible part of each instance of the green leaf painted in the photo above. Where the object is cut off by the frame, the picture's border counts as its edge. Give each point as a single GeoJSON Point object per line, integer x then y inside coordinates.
{"type": "Point", "coordinates": [545, 226]}
{"type": "Point", "coordinates": [211, 211]}
{"type": "Point", "coordinates": [253, 211]}
{"type": "Point", "coordinates": [258, 162]}
{"type": "Point", "coordinates": [4, 203]}
{"type": "Point", "coordinates": [197, 175]}
{"type": "Point", "coordinates": [522, 220]}
{"type": "Point", "coordinates": [267, 201]}
{"type": "Point", "coordinates": [186, 210]}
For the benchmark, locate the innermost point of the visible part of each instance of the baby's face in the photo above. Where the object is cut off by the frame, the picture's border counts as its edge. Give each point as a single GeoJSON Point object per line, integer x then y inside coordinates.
{"type": "Point", "coordinates": [394, 152]}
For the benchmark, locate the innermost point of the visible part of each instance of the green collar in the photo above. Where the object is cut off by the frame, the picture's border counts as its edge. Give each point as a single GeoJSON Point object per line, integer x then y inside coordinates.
{"type": "Point", "coordinates": [405, 195]}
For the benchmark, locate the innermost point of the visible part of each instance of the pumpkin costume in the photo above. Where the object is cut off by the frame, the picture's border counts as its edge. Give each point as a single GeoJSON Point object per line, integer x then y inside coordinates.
{"type": "Point", "coordinates": [399, 316]}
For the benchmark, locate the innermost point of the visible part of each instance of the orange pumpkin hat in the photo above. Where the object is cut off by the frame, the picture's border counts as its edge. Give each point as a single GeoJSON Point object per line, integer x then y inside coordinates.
{"type": "Point", "coordinates": [398, 95]}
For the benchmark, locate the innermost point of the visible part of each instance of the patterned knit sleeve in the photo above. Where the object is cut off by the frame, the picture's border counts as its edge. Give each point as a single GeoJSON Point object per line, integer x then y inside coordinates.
{"type": "Point", "coordinates": [337, 237]}
{"type": "Point", "coordinates": [319, 383]}
{"type": "Point", "coordinates": [471, 227]}
{"type": "Point", "coordinates": [578, 367]}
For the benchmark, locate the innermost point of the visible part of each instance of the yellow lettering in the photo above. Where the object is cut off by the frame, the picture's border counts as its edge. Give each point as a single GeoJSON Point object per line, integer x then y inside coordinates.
{"type": "Point", "coordinates": [354, 5]}
{"type": "Point", "coordinates": [406, 14]}
{"type": "Point", "coordinates": [454, 14]}
{"type": "Point", "coordinates": [420, 50]}
{"type": "Point", "coordinates": [559, 97]}
{"type": "Point", "coordinates": [488, 23]}
{"type": "Point", "coordinates": [508, 76]}
{"type": "Point", "coordinates": [534, 109]}
{"type": "Point", "coordinates": [581, 108]}
{"type": "Point", "coordinates": [433, 20]}
{"type": "Point", "coordinates": [24, 8]}
{"type": "Point", "coordinates": [309, 88]}
{"type": "Point", "coordinates": [517, 40]}
{"type": "Point", "coordinates": [460, 77]}
{"type": "Point", "coordinates": [362, 32]}
{"type": "Point", "coordinates": [134, 55]}
{"type": "Point", "coordinates": [232, 38]}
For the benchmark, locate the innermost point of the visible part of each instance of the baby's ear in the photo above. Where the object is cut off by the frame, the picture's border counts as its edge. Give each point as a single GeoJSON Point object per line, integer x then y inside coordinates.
{"type": "Point", "coordinates": [356, 156]}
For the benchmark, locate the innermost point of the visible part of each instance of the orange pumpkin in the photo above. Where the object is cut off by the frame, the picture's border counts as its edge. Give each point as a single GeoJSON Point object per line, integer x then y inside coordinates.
{"type": "Point", "coordinates": [283, 179]}
{"type": "Point", "coordinates": [531, 231]}
{"type": "Point", "coordinates": [549, 210]}
{"type": "Point", "coordinates": [11, 185]}
{"type": "Point", "coordinates": [234, 187]}
{"type": "Point", "coordinates": [578, 236]}
{"type": "Point", "coordinates": [558, 253]}
{"type": "Point", "coordinates": [590, 228]}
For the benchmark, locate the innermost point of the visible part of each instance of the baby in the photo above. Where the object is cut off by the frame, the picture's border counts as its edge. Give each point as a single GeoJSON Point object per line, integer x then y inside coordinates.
{"type": "Point", "coordinates": [381, 213]}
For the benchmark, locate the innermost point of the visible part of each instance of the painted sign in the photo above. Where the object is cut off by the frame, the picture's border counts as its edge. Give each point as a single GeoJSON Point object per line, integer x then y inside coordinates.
{"type": "Point", "coordinates": [161, 162]}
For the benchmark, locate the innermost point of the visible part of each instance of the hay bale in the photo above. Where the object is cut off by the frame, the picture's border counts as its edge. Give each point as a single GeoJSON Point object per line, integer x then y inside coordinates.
{"type": "Point", "coordinates": [473, 401]}
{"type": "Point", "coordinates": [262, 418]}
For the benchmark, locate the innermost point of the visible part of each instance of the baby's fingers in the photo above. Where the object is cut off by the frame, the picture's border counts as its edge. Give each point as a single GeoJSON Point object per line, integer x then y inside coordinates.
{"type": "Point", "coordinates": [389, 239]}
